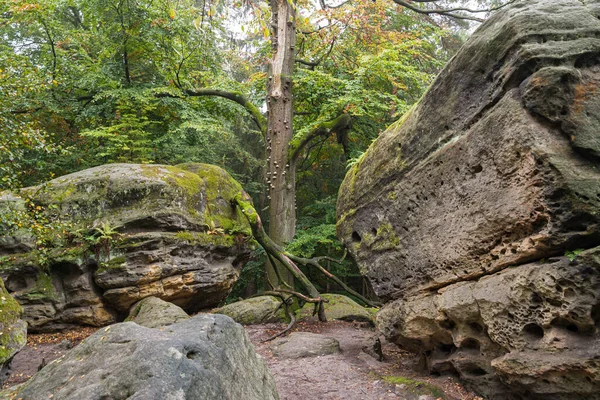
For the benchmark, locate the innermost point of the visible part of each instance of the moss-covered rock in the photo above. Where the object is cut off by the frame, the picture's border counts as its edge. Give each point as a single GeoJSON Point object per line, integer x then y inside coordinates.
{"type": "Point", "coordinates": [13, 330]}
{"type": "Point", "coordinates": [255, 310]}
{"type": "Point", "coordinates": [340, 307]}
{"type": "Point", "coordinates": [130, 231]}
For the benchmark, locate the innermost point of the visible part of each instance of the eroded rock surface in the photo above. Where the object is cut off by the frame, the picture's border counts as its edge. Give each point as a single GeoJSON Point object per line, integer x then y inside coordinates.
{"type": "Point", "coordinates": [205, 357]}
{"type": "Point", "coordinates": [134, 231]}
{"type": "Point", "coordinates": [466, 213]}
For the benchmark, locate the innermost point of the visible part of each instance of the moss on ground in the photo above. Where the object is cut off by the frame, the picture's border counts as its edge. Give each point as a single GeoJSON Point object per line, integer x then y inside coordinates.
{"type": "Point", "coordinates": [414, 386]}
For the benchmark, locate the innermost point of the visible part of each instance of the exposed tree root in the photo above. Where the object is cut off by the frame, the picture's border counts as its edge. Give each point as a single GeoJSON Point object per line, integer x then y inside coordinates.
{"type": "Point", "coordinates": [276, 252]}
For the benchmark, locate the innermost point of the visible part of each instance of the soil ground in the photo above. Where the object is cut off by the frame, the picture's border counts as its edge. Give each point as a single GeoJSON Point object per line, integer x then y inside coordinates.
{"type": "Point", "coordinates": [349, 375]}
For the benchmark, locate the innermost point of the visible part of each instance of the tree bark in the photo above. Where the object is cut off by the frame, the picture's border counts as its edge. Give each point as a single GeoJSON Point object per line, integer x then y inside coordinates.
{"type": "Point", "coordinates": [280, 177]}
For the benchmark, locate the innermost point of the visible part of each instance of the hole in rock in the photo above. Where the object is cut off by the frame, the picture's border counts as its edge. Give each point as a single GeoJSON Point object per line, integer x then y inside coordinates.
{"type": "Point", "coordinates": [444, 368]}
{"type": "Point", "coordinates": [476, 169]}
{"type": "Point", "coordinates": [533, 331]}
{"type": "Point", "coordinates": [596, 315]}
{"type": "Point", "coordinates": [569, 293]}
{"type": "Point", "coordinates": [447, 349]}
{"type": "Point", "coordinates": [474, 370]}
{"type": "Point", "coordinates": [535, 298]}
{"type": "Point", "coordinates": [356, 237]}
{"type": "Point", "coordinates": [374, 231]}
{"type": "Point", "coordinates": [476, 327]}
{"type": "Point", "coordinates": [191, 355]}
{"type": "Point", "coordinates": [470, 344]}
{"type": "Point", "coordinates": [447, 324]}
{"type": "Point", "coordinates": [561, 322]}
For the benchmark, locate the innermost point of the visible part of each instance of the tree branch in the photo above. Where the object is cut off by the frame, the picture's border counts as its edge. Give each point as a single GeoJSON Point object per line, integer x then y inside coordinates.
{"type": "Point", "coordinates": [314, 262]}
{"type": "Point", "coordinates": [244, 203]}
{"type": "Point", "coordinates": [450, 12]}
{"type": "Point", "coordinates": [313, 64]}
{"type": "Point", "coordinates": [236, 97]}
{"type": "Point", "coordinates": [324, 129]}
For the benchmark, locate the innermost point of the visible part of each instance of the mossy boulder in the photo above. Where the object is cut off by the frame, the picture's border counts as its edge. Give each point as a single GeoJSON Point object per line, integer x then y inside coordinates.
{"type": "Point", "coordinates": [340, 307]}
{"type": "Point", "coordinates": [255, 310]}
{"type": "Point", "coordinates": [13, 330]}
{"type": "Point", "coordinates": [130, 231]}
{"type": "Point", "coordinates": [153, 312]}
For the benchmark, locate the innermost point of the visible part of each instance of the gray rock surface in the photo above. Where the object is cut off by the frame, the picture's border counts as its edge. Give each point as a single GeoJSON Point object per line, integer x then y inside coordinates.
{"type": "Point", "coordinates": [304, 344]}
{"type": "Point", "coordinates": [461, 214]}
{"type": "Point", "coordinates": [174, 235]}
{"type": "Point", "coordinates": [153, 312]}
{"type": "Point", "coordinates": [205, 357]}
{"type": "Point", "coordinates": [255, 310]}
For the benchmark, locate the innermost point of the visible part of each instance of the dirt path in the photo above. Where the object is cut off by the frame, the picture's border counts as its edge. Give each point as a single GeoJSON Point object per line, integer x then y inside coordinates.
{"type": "Point", "coordinates": [350, 375]}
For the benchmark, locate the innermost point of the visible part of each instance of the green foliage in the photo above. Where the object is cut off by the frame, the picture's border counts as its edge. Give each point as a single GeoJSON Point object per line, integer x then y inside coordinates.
{"type": "Point", "coordinates": [252, 273]}
{"type": "Point", "coordinates": [571, 255]}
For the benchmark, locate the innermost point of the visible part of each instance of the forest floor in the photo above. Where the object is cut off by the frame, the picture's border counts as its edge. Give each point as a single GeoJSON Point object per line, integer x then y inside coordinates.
{"type": "Point", "coordinates": [349, 375]}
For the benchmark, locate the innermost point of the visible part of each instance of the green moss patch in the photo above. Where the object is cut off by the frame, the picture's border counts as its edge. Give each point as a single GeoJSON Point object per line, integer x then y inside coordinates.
{"type": "Point", "coordinates": [414, 386]}
{"type": "Point", "coordinates": [43, 289]}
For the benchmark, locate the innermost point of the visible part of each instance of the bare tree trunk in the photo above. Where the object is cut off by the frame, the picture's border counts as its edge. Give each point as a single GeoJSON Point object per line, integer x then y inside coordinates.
{"type": "Point", "coordinates": [281, 178]}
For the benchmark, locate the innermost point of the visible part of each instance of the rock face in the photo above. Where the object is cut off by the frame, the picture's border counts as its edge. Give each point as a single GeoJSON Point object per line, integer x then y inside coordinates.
{"type": "Point", "coordinates": [304, 344]}
{"type": "Point", "coordinates": [255, 310]}
{"type": "Point", "coordinates": [205, 357]}
{"type": "Point", "coordinates": [133, 231]}
{"type": "Point", "coordinates": [339, 307]}
{"type": "Point", "coordinates": [467, 213]}
{"type": "Point", "coordinates": [153, 312]}
{"type": "Point", "coordinates": [13, 330]}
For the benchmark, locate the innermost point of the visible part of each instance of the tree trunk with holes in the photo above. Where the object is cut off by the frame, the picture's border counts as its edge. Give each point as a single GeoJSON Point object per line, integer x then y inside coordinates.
{"type": "Point", "coordinates": [280, 177]}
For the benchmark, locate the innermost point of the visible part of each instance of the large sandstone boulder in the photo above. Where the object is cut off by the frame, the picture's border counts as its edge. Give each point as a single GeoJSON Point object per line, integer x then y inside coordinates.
{"type": "Point", "coordinates": [463, 212]}
{"type": "Point", "coordinates": [133, 231]}
{"type": "Point", "coordinates": [203, 358]}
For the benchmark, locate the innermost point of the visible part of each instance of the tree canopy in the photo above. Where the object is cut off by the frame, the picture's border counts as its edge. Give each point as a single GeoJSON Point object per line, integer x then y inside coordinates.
{"type": "Point", "coordinates": [88, 82]}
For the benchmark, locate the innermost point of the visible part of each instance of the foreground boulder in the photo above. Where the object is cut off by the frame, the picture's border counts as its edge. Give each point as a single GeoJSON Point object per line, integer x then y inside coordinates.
{"type": "Point", "coordinates": [153, 312]}
{"type": "Point", "coordinates": [339, 307]}
{"type": "Point", "coordinates": [470, 214]}
{"type": "Point", "coordinates": [255, 310]}
{"type": "Point", "coordinates": [205, 357]}
{"type": "Point", "coordinates": [13, 330]}
{"type": "Point", "coordinates": [133, 231]}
